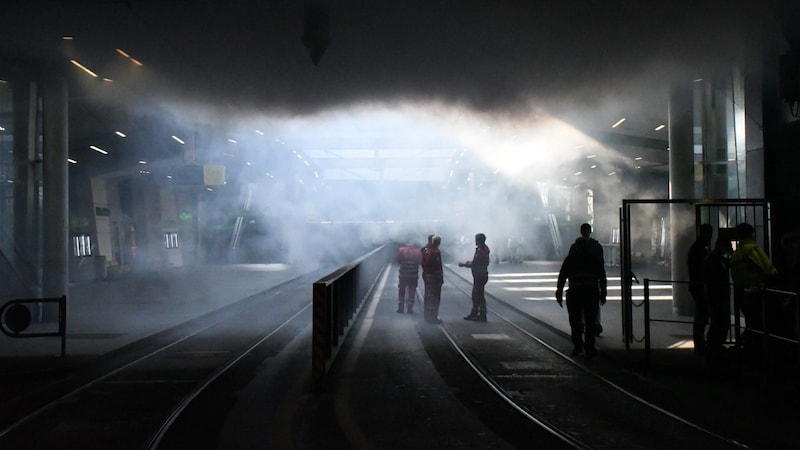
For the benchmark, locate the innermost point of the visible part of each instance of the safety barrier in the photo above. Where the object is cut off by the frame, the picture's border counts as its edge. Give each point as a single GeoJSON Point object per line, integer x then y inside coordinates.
{"type": "Point", "coordinates": [15, 317]}
{"type": "Point", "coordinates": [338, 298]}
{"type": "Point", "coordinates": [767, 297]}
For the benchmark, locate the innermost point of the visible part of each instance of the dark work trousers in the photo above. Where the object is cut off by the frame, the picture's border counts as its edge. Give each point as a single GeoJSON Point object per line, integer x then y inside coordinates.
{"type": "Point", "coordinates": [433, 295]}
{"type": "Point", "coordinates": [719, 310]}
{"type": "Point", "coordinates": [582, 305]}
{"type": "Point", "coordinates": [701, 317]}
{"type": "Point", "coordinates": [479, 281]}
{"type": "Point", "coordinates": [407, 288]}
{"type": "Point", "coordinates": [750, 301]}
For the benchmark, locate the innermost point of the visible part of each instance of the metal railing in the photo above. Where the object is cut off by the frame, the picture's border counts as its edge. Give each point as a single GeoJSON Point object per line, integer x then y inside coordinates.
{"type": "Point", "coordinates": [768, 296]}
{"type": "Point", "coordinates": [15, 318]}
{"type": "Point", "coordinates": [338, 298]}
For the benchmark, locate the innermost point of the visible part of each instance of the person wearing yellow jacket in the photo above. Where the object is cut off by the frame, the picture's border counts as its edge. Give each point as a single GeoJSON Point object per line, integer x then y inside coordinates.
{"type": "Point", "coordinates": [751, 270]}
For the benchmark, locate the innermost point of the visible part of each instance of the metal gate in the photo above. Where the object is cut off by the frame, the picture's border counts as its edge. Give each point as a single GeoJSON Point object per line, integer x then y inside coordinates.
{"type": "Point", "coordinates": [646, 239]}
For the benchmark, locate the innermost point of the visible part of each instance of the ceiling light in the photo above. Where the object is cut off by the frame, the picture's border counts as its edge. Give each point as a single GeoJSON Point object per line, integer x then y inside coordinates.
{"type": "Point", "coordinates": [108, 80]}
{"type": "Point", "coordinates": [660, 127]}
{"type": "Point", "coordinates": [98, 149]}
{"type": "Point", "coordinates": [141, 161]}
{"type": "Point", "coordinates": [72, 161]}
{"type": "Point", "coordinates": [594, 166]}
{"type": "Point", "coordinates": [179, 140]}
{"type": "Point", "coordinates": [638, 158]}
{"type": "Point", "coordinates": [123, 53]}
{"type": "Point", "coordinates": [578, 173]}
{"type": "Point", "coordinates": [259, 132]}
{"type": "Point", "coordinates": [136, 61]}
{"type": "Point", "coordinates": [612, 173]}
{"type": "Point", "coordinates": [67, 38]}
{"type": "Point", "coordinates": [697, 80]}
{"type": "Point", "coordinates": [232, 141]}
{"type": "Point", "coordinates": [619, 122]}
{"type": "Point", "coordinates": [82, 67]}
{"type": "Point", "coordinates": [591, 156]}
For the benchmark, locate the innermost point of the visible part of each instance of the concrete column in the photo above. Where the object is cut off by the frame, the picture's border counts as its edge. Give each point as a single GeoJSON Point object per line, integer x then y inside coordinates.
{"type": "Point", "coordinates": [681, 186]}
{"type": "Point", "coordinates": [26, 240]}
{"type": "Point", "coordinates": [55, 209]}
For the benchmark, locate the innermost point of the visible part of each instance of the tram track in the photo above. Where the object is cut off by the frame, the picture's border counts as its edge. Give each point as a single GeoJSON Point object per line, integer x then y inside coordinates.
{"type": "Point", "coordinates": [134, 404]}
{"type": "Point", "coordinates": [562, 394]}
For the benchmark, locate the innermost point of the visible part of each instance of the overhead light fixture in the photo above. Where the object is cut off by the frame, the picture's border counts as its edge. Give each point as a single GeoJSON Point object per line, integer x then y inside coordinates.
{"type": "Point", "coordinates": [67, 38]}
{"type": "Point", "coordinates": [660, 127]}
{"type": "Point", "coordinates": [259, 132]}
{"type": "Point", "coordinates": [619, 122]}
{"type": "Point", "coordinates": [98, 149]}
{"type": "Point", "coordinates": [126, 55]}
{"type": "Point", "coordinates": [638, 158]}
{"type": "Point", "coordinates": [578, 173]}
{"type": "Point", "coordinates": [232, 141]}
{"type": "Point", "coordinates": [593, 166]}
{"type": "Point", "coordinates": [82, 67]}
{"type": "Point", "coordinates": [591, 156]}
{"type": "Point", "coordinates": [120, 134]}
{"type": "Point", "coordinates": [72, 161]}
{"type": "Point", "coordinates": [179, 140]}
{"type": "Point", "coordinates": [697, 80]}
{"type": "Point", "coordinates": [612, 173]}
{"type": "Point", "coordinates": [141, 161]}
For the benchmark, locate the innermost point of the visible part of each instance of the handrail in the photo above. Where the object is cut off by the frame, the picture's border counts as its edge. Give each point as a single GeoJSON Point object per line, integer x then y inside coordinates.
{"type": "Point", "coordinates": [736, 313]}
{"type": "Point", "coordinates": [17, 316]}
{"type": "Point", "coordinates": [337, 299]}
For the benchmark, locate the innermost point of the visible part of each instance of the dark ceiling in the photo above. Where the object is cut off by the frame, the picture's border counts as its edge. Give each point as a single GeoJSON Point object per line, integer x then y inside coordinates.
{"type": "Point", "coordinates": [208, 66]}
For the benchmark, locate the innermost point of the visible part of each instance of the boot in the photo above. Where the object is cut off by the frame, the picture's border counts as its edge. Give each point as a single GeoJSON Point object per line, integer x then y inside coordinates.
{"type": "Point", "coordinates": [410, 308]}
{"type": "Point", "coordinates": [400, 307]}
{"type": "Point", "coordinates": [481, 315]}
{"type": "Point", "coordinates": [473, 315]}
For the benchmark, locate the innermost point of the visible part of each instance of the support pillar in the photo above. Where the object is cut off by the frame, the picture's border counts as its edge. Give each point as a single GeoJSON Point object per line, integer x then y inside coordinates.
{"type": "Point", "coordinates": [681, 186]}
{"type": "Point", "coordinates": [55, 206]}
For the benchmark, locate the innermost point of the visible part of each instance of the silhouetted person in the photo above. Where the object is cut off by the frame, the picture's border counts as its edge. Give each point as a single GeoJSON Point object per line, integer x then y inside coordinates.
{"type": "Point", "coordinates": [409, 257]}
{"type": "Point", "coordinates": [751, 268]}
{"type": "Point", "coordinates": [480, 276]}
{"type": "Point", "coordinates": [584, 267]}
{"type": "Point", "coordinates": [697, 253]}
{"type": "Point", "coordinates": [716, 276]}
{"type": "Point", "coordinates": [424, 251]}
{"type": "Point", "coordinates": [433, 276]}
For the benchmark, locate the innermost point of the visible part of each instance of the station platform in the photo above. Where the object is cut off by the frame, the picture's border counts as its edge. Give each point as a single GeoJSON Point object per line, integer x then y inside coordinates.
{"type": "Point", "coordinates": [108, 315]}
{"type": "Point", "coordinates": [105, 315]}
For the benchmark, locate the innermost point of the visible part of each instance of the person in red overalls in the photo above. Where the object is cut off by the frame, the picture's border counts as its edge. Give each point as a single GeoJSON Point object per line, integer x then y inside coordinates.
{"type": "Point", "coordinates": [433, 276]}
{"type": "Point", "coordinates": [480, 276]}
{"type": "Point", "coordinates": [409, 257]}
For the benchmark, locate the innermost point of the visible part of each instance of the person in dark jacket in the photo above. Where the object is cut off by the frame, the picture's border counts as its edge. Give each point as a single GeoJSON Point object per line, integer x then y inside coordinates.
{"type": "Point", "coordinates": [480, 276]}
{"type": "Point", "coordinates": [697, 254]}
{"type": "Point", "coordinates": [584, 267]}
{"type": "Point", "coordinates": [433, 276]}
{"type": "Point", "coordinates": [717, 284]}
{"type": "Point", "coordinates": [409, 257]}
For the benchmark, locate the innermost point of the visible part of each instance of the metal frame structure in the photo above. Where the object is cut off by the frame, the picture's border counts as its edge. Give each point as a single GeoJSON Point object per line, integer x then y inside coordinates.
{"type": "Point", "coordinates": [754, 211]}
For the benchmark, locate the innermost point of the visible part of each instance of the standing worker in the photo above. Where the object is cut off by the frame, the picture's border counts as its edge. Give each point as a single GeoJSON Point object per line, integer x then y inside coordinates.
{"type": "Point", "coordinates": [409, 257]}
{"type": "Point", "coordinates": [433, 276]}
{"type": "Point", "coordinates": [751, 268]}
{"type": "Point", "coordinates": [480, 276]}
{"type": "Point", "coordinates": [698, 252]}
{"type": "Point", "coordinates": [584, 267]}
{"type": "Point", "coordinates": [716, 277]}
